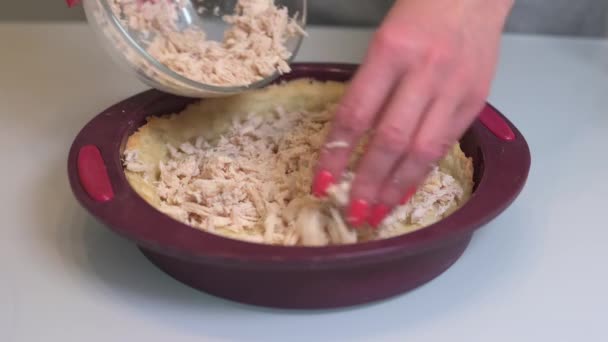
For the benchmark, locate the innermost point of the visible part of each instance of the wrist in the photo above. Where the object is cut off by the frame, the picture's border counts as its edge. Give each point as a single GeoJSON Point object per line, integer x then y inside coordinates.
{"type": "Point", "coordinates": [500, 7]}
{"type": "Point", "coordinates": [499, 10]}
{"type": "Point", "coordinates": [505, 6]}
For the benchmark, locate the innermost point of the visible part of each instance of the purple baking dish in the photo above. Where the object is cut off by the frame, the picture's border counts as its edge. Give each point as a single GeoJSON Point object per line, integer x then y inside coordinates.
{"type": "Point", "coordinates": [290, 277]}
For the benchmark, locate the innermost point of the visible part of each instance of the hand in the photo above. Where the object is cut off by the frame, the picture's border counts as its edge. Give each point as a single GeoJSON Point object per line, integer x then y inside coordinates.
{"type": "Point", "coordinates": [424, 80]}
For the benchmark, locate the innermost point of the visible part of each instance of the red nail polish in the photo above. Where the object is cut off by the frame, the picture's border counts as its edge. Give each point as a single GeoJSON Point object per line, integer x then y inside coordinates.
{"type": "Point", "coordinates": [322, 182]}
{"type": "Point", "coordinates": [72, 3]}
{"type": "Point", "coordinates": [408, 195]}
{"type": "Point", "coordinates": [379, 213]}
{"type": "Point", "coordinates": [358, 211]}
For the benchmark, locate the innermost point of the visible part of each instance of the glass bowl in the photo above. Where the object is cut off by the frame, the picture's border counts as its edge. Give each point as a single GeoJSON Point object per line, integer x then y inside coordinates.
{"type": "Point", "coordinates": [128, 46]}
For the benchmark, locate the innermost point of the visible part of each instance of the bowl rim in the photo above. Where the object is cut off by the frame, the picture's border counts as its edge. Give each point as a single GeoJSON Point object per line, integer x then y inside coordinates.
{"type": "Point", "coordinates": [160, 67]}
{"type": "Point", "coordinates": [506, 165]}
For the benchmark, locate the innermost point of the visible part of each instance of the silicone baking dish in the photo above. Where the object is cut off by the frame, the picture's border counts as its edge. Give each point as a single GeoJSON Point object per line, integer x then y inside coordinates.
{"type": "Point", "coordinates": [290, 277]}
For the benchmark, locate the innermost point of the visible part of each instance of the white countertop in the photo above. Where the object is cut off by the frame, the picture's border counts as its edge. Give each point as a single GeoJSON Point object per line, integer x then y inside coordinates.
{"type": "Point", "coordinates": [536, 273]}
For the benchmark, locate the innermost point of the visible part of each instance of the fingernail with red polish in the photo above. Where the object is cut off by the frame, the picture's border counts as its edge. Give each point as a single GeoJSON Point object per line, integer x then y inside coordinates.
{"type": "Point", "coordinates": [322, 182]}
{"type": "Point", "coordinates": [379, 213]}
{"type": "Point", "coordinates": [410, 193]}
{"type": "Point", "coordinates": [358, 212]}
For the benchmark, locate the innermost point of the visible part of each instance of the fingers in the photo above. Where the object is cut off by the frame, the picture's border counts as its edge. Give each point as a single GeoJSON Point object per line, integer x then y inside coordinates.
{"type": "Point", "coordinates": [440, 130]}
{"type": "Point", "coordinates": [364, 98]}
{"type": "Point", "coordinates": [398, 123]}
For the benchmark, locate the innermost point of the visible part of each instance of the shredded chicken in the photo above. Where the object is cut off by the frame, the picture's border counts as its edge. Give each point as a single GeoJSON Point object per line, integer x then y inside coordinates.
{"type": "Point", "coordinates": [253, 47]}
{"type": "Point", "coordinates": [254, 183]}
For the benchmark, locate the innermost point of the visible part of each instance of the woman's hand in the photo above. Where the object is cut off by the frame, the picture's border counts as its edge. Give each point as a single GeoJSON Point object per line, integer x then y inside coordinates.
{"type": "Point", "coordinates": [424, 80]}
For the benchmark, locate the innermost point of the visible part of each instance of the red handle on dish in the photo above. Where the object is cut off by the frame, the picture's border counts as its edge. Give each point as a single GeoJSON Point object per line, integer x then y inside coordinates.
{"type": "Point", "coordinates": [93, 174]}
{"type": "Point", "coordinates": [490, 118]}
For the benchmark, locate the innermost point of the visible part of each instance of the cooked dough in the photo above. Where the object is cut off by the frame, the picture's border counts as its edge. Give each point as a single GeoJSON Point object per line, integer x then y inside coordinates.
{"type": "Point", "coordinates": [242, 167]}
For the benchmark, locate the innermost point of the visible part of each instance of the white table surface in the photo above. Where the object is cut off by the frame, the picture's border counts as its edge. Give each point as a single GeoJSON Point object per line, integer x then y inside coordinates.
{"type": "Point", "coordinates": [536, 273]}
